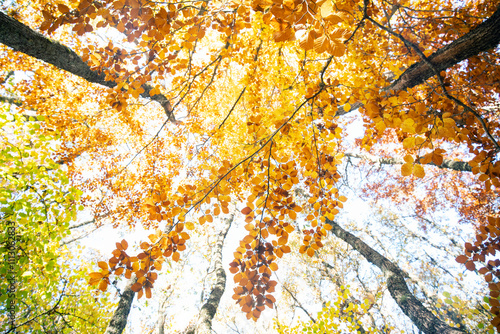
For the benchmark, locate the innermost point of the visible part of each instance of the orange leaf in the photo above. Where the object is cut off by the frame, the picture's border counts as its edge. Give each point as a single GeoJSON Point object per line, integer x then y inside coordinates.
{"type": "Point", "coordinates": [246, 210]}
{"type": "Point", "coordinates": [103, 265]}
{"type": "Point", "coordinates": [103, 285]}
{"type": "Point", "coordinates": [462, 259]}
{"type": "Point", "coordinates": [136, 287]}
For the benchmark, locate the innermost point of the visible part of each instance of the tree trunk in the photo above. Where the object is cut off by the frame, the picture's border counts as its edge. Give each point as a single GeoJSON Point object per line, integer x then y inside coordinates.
{"type": "Point", "coordinates": [208, 310]}
{"type": "Point", "coordinates": [119, 319]}
{"type": "Point", "coordinates": [22, 38]}
{"type": "Point", "coordinates": [411, 306]}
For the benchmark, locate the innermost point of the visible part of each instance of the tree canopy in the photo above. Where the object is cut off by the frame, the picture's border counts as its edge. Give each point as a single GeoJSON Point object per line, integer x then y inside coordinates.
{"type": "Point", "coordinates": [171, 114]}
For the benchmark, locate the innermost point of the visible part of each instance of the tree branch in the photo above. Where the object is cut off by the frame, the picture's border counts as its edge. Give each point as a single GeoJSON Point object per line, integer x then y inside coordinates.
{"type": "Point", "coordinates": [11, 100]}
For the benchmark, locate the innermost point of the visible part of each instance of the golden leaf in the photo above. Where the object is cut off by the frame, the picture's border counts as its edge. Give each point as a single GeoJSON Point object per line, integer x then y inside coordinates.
{"type": "Point", "coordinates": [418, 171]}
{"type": "Point", "coordinates": [406, 169]}
{"type": "Point", "coordinates": [307, 42]}
{"type": "Point", "coordinates": [136, 287]}
{"type": "Point", "coordinates": [327, 9]}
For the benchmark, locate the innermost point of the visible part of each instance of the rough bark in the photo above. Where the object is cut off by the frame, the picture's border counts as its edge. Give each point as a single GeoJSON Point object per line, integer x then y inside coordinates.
{"type": "Point", "coordinates": [208, 310]}
{"type": "Point", "coordinates": [119, 319]}
{"type": "Point", "coordinates": [396, 284]}
{"type": "Point", "coordinates": [484, 37]}
{"type": "Point", "coordinates": [22, 38]}
{"type": "Point", "coordinates": [460, 166]}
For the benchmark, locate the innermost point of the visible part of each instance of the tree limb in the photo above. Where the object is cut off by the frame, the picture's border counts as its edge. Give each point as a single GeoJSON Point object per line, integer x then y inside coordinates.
{"type": "Point", "coordinates": [460, 166]}
{"type": "Point", "coordinates": [22, 38]}
{"type": "Point", "coordinates": [11, 100]}
{"type": "Point", "coordinates": [484, 37]}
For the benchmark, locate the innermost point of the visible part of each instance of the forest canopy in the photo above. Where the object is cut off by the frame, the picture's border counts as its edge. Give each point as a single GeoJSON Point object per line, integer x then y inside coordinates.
{"type": "Point", "coordinates": [270, 118]}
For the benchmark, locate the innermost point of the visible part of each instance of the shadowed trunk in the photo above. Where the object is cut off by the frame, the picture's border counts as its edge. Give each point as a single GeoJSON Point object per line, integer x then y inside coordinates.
{"type": "Point", "coordinates": [411, 306]}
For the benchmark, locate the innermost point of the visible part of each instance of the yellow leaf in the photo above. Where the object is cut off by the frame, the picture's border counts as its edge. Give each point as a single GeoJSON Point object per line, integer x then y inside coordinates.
{"type": "Point", "coordinates": [418, 171]}
{"type": "Point", "coordinates": [409, 159]}
{"type": "Point", "coordinates": [96, 275]}
{"type": "Point", "coordinates": [63, 8]}
{"type": "Point", "coordinates": [483, 177]}
{"type": "Point", "coordinates": [409, 142]}
{"type": "Point", "coordinates": [321, 44]}
{"type": "Point", "coordinates": [103, 285]}
{"type": "Point", "coordinates": [307, 42]}
{"type": "Point", "coordinates": [337, 49]}
{"type": "Point", "coordinates": [136, 287]}
{"type": "Point", "coordinates": [310, 252]}
{"type": "Point", "coordinates": [406, 169]}
{"type": "Point", "coordinates": [326, 9]}
{"type": "Point", "coordinates": [408, 125]}
{"type": "Point", "coordinates": [380, 126]}
{"type": "Point", "coordinates": [246, 210]}
{"type": "Point", "coordinates": [273, 266]}
{"type": "Point", "coordinates": [437, 159]}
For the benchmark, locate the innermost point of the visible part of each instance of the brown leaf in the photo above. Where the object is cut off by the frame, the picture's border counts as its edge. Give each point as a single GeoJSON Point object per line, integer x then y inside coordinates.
{"type": "Point", "coordinates": [470, 265]}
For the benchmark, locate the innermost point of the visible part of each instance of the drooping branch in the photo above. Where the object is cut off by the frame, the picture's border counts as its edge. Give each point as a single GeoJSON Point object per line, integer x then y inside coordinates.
{"type": "Point", "coordinates": [482, 38]}
{"type": "Point", "coordinates": [208, 310]}
{"type": "Point", "coordinates": [22, 38]}
{"type": "Point", "coordinates": [424, 319]}
{"type": "Point", "coordinates": [460, 166]}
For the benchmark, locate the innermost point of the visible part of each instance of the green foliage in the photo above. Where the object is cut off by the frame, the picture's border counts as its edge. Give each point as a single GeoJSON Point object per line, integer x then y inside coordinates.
{"type": "Point", "coordinates": [344, 315]}
{"type": "Point", "coordinates": [37, 203]}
